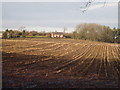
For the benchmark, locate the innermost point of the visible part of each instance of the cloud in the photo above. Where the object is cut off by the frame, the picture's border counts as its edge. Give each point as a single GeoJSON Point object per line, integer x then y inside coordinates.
{"type": "Point", "coordinates": [55, 0]}
{"type": "Point", "coordinates": [59, 21]}
{"type": "Point", "coordinates": [49, 29]}
{"type": "Point", "coordinates": [35, 14]}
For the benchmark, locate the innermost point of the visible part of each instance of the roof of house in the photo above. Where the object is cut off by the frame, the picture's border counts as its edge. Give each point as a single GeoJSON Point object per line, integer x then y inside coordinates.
{"type": "Point", "coordinates": [59, 33]}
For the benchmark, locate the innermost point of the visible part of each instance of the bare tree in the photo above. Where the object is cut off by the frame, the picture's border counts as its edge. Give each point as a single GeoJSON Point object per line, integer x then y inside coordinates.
{"type": "Point", "coordinates": [94, 32]}
{"type": "Point", "coordinates": [88, 4]}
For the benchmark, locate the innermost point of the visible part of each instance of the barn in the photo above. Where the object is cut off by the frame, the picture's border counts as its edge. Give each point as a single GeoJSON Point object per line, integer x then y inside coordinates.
{"type": "Point", "coordinates": [57, 35]}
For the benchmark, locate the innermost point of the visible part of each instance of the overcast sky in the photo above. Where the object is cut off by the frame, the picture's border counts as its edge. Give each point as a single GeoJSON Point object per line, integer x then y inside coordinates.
{"type": "Point", "coordinates": [51, 16]}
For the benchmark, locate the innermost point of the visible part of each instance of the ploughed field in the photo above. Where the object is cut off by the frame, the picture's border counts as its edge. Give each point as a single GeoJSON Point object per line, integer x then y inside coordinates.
{"type": "Point", "coordinates": [41, 63]}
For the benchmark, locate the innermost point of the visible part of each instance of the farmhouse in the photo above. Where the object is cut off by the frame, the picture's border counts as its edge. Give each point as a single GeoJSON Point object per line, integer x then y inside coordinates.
{"type": "Point", "coordinates": [57, 35]}
{"type": "Point", "coordinates": [1, 35]}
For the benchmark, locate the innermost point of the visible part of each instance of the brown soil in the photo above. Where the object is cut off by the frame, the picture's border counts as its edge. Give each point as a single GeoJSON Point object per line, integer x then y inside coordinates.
{"type": "Point", "coordinates": [60, 63]}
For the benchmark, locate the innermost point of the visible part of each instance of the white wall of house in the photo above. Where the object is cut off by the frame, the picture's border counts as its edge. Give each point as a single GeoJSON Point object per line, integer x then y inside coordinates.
{"type": "Point", "coordinates": [56, 35]}
{"type": "Point", "coordinates": [52, 35]}
{"type": "Point", "coordinates": [61, 36]}
{"type": "Point", "coordinates": [0, 35]}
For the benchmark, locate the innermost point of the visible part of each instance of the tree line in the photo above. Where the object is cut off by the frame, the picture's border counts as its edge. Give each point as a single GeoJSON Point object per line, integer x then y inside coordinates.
{"type": "Point", "coordinates": [85, 31]}
{"type": "Point", "coordinates": [13, 34]}
{"type": "Point", "coordinates": [17, 34]}
{"type": "Point", "coordinates": [96, 32]}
